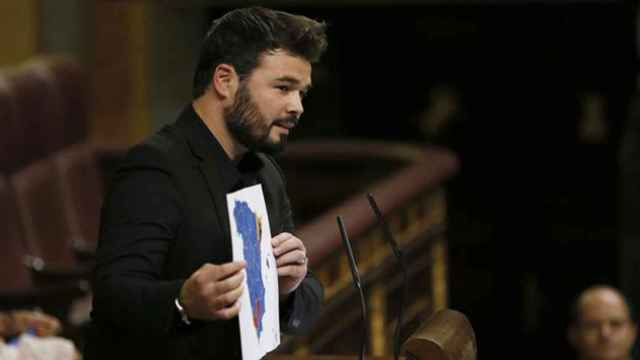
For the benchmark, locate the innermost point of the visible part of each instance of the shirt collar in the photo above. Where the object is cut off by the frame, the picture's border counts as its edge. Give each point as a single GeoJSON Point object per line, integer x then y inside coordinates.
{"type": "Point", "coordinates": [233, 175]}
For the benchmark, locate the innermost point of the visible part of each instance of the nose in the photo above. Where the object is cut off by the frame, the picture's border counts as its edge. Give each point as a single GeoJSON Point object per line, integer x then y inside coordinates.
{"type": "Point", "coordinates": [605, 330]}
{"type": "Point", "coordinates": [294, 105]}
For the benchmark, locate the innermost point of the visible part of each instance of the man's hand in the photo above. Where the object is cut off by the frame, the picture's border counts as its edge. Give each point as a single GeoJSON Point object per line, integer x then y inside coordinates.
{"type": "Point", "coordinates": [213, 291]}
{"type": "Point", "coordinates": [291, 259]}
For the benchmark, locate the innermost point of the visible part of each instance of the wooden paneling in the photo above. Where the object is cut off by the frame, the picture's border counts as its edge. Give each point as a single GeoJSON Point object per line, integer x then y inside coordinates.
{"type": "Point", "coordinates": [121, 111]}
{"type": "Point", "coordinates": [19, 26]}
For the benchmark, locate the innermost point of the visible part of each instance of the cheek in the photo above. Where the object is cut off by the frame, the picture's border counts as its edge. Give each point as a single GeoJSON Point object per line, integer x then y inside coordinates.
{"type": "Point", "coordinates": [269, 106]}
{"type": "Point", "coordinates": [589, 342]}
{"type": "Point", "coordinates": [627, 338]}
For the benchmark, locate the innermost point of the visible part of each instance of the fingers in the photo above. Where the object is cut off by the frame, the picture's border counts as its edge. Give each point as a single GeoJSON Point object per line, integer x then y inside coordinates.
{"type": "Point", "coordinates": [294, 271]}
{"type": "Point", "coordinates": [211, 289]}
{"type": "Point", "coordinates": [231, 268]}
{"type": "Point", "coordinates": [224, 300]}
{"type": "Point", "coordinates": [222, 285]}
{"type": "Point", "coordinates": [295, 257]}
{"type": "Point", "coordinates": [230, 283]}
{"type": "Point", "coordinates": [210, 272]}
{"type": "Point", "coordinates": [228, 312]}
{"type": "Point", "coordinates": [284, 243]}
{"type": "Point", "coordinates": [280, 238]}
{"type": "Point", "coordinates": [291, 259]}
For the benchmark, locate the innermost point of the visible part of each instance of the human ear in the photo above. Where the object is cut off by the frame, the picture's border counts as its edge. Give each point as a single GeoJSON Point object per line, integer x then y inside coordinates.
{"type": "Point", "coordinates": [225, 81]}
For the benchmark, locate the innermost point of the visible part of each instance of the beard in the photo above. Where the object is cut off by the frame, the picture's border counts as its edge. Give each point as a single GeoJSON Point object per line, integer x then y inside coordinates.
{"type": "Point", "coordinates": [250, 127]}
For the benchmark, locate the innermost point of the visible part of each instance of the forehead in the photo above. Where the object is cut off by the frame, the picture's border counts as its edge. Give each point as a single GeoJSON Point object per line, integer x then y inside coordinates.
{"type": "Point", "coordinates": [279, 64]}
{"type": "Point", "coordinates": [603, 304]}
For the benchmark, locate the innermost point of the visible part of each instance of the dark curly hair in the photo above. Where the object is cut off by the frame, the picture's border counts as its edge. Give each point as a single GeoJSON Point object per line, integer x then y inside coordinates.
{"type": "Point", "coordinates": [239, 37]}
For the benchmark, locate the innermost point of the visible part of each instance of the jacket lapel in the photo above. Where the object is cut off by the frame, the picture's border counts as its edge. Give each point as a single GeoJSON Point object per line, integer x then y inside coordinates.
{"type": "Point", "coordinates": [213, 179]}
{"type": "Point", "coordinates": [197, 134]}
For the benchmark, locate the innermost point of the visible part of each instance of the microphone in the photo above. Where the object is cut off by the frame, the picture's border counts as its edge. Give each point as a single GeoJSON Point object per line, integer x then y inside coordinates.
{"type": "Point", "coordinates": [403, 267]}
{"type": "Point", "coordinates": [357, 284]}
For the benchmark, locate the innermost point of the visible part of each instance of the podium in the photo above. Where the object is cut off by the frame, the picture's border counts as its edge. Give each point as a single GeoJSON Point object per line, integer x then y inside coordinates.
{"type": "Point", "coordinates": [447, 335]}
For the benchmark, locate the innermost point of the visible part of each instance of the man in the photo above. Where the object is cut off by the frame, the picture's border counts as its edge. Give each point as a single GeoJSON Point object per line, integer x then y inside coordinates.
{"type": "Point", "coordinates": [165, 286]}
{"type": "Point", "coordinates": [602, 327]}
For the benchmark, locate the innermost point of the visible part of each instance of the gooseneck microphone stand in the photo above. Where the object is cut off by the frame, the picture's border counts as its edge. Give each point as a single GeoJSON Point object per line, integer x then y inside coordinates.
{"type": "Point", "coordinates": [357, 284]}
{"type": "Point", "coordinates": [403, 267]}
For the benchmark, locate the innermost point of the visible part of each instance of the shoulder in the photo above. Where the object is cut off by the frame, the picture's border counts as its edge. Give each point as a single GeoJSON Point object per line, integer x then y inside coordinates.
{"type": "Point", "coordinates": [158, 151]}
{"type": "Point", "coordinates": [271, 168]}
{"type": "Point", "coordinates": [147, 171]}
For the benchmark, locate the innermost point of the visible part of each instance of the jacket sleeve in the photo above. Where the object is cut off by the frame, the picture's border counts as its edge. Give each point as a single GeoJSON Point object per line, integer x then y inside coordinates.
{"type": "Point", "coordinates": [139, 221]}
{"type": "Point", "coordinates": [300, 311]}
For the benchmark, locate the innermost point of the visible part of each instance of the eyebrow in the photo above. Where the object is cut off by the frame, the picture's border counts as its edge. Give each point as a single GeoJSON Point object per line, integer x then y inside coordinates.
{"type": "Point", "coordinates": [294, 81]}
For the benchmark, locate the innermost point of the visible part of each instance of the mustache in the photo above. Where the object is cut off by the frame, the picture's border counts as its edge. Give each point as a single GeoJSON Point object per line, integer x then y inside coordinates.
{"type": "Point", "coordinates": [289, 121]}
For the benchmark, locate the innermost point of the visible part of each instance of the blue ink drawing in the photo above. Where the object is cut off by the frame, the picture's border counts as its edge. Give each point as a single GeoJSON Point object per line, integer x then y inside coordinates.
{"type": "Point", "coordinates": [249, 227]}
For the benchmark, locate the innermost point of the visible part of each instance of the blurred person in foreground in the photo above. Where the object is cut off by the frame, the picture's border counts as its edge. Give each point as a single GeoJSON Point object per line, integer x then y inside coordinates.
{"type": "Point", "coordinates": [165, 284]}
{"type": "Point", "coordinates": [602, 325]}
{"type": "Point", "coordinates": [27, 334]}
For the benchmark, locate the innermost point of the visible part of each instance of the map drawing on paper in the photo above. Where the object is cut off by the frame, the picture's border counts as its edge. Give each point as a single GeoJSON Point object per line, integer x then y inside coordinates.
{"type": "Point", "coordinates": [259, 316]}
{"type": "Point", "coordinates": [249, 226]}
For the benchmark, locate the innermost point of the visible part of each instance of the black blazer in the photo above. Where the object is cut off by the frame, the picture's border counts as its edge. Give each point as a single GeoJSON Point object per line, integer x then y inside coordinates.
{"type": "Point", "coordinates": [164, 216]}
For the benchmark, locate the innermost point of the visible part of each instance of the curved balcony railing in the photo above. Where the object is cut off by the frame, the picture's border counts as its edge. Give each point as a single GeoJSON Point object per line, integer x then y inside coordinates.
{"type": "Point", "coordinates": [331, 178]}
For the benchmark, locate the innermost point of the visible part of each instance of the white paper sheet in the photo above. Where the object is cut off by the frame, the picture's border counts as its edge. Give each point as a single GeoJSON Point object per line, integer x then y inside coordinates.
{"type": "Point", "coordinates": [251, 241]}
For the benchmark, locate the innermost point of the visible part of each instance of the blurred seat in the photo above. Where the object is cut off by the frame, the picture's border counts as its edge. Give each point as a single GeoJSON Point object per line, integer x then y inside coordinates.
{"type": "Point", "coordinates": [44, 215]}
{"type": "Point", "coordinates": [38, 110]}
{"type": "Point", "coordinates": [13, 274]}
{"type": "Point", "coordinates": [18, 269]}
{"type": "Point", "coordinates": [70, 84]}
{"type": "Point", "coordinates": [81, 187]}
{"type": "Point", "coordinates": [71, 90]}
{"type": "Point", "coordinates": [10, 136]}
{"type": "Point", "coordinates": [43, 108]}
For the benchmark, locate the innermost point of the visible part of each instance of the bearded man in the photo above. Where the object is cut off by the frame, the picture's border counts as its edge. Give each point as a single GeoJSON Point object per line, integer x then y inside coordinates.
{"type": "Point", "coordinates": [165, 284]}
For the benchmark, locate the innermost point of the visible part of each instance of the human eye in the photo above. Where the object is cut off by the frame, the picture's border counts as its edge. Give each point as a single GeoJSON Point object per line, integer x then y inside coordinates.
{"type": "Point", "coordinates": [618, 323]}
{"type": "Point", "coordinates": [590, 326]}
{"type": "Point", "coordinates": [283, 88]}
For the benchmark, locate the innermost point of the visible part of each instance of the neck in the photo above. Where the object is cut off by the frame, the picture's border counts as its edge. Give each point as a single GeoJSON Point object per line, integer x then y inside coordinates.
{"type": "Point", "coordinates": [212, 114]}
